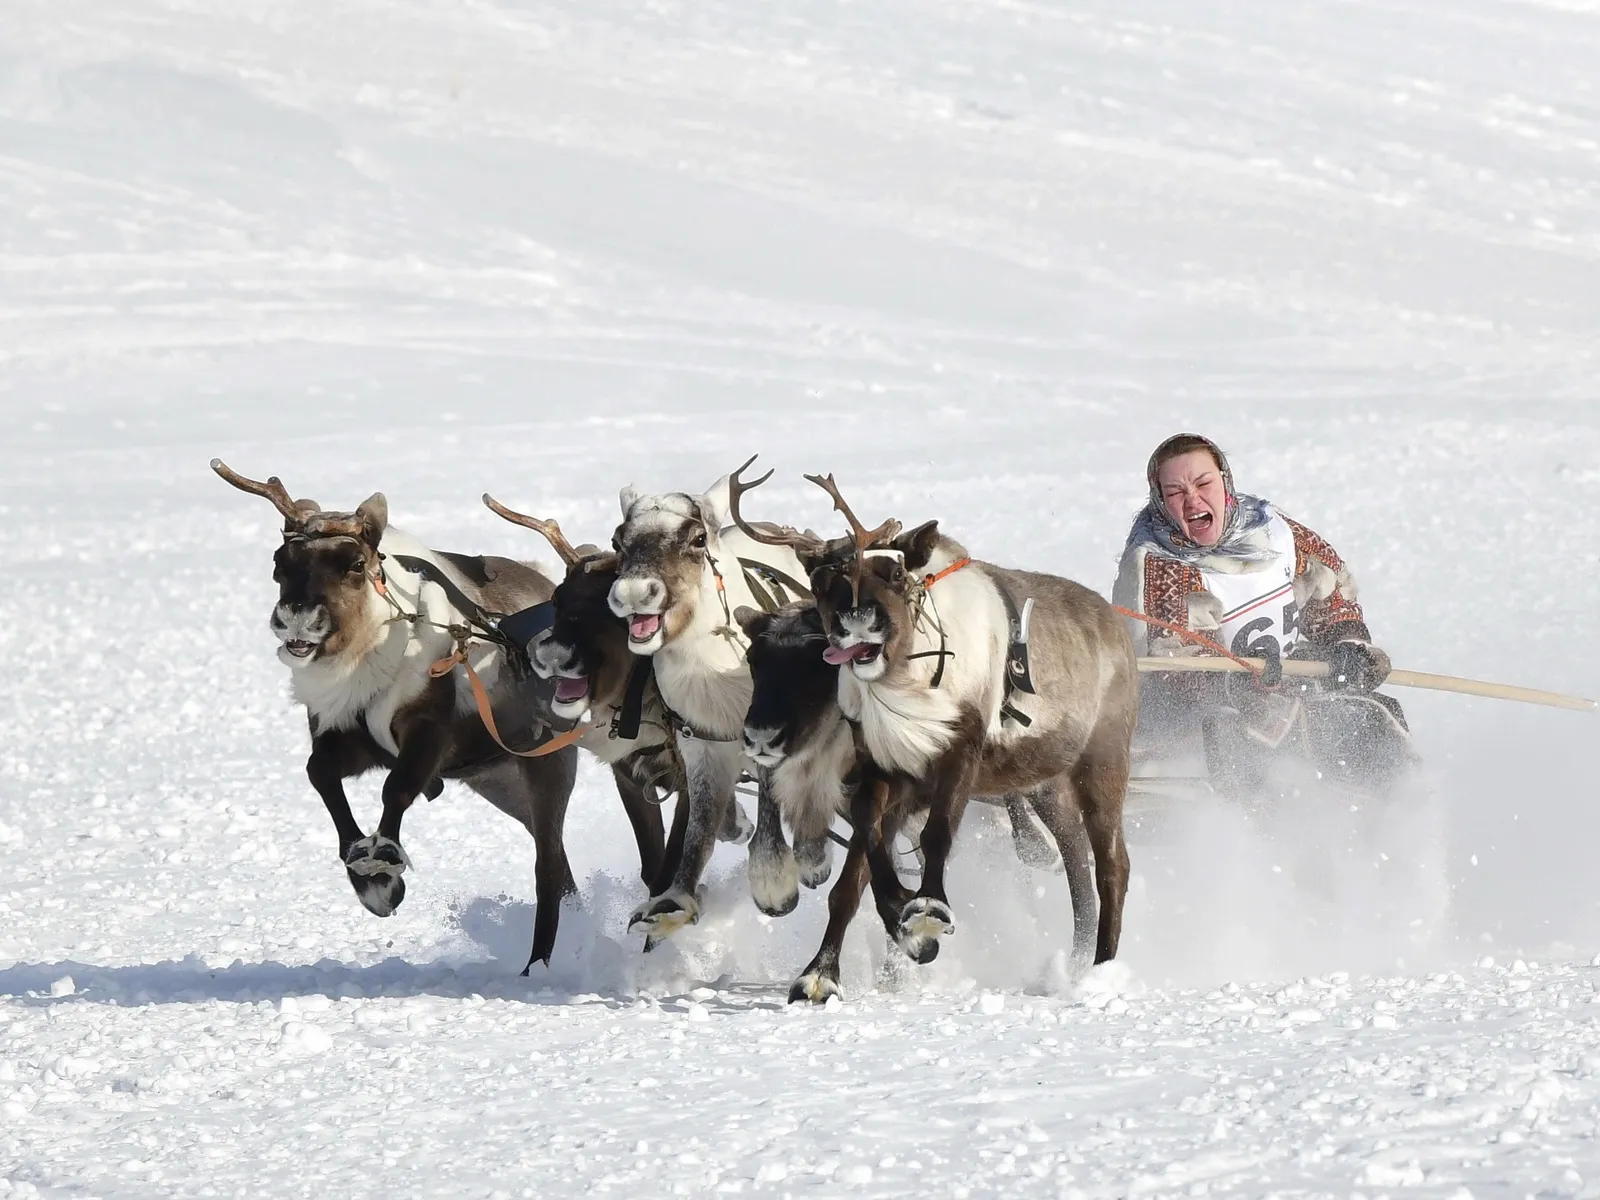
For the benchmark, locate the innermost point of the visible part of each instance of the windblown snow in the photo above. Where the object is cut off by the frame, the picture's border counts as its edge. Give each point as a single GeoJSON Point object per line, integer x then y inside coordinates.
{"type": "Point", "coordinates": [975, 257]}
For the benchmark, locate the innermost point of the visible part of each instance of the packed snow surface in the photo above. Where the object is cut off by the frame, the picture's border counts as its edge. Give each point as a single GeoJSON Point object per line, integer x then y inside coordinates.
{"type": "Point", "coordinates": [975, 257]}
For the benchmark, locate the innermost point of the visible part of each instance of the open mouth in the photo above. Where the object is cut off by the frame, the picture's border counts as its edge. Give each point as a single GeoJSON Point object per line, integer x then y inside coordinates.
{"type": "Point", "coordinates": [300, 649]}
{"type": "Point", "coordinates": [1200, 522]}
{"type": "Point", "coordinates": [643, 626]}
{"type": "Point", "coordinates": [861, 652]}
{"type": "Point", "coordinates": [571, 689]}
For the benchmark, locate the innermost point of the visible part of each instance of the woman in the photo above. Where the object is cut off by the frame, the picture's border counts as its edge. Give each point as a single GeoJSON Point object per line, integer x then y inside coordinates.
{"type": "Point", "coordinates": [1202, 557]}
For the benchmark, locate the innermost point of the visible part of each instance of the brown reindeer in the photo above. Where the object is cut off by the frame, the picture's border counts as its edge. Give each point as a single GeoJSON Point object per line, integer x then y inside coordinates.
{"type": "Point", "coordinates": [368, 620]}
{"type": "Point", "coordinates": [926, 639]}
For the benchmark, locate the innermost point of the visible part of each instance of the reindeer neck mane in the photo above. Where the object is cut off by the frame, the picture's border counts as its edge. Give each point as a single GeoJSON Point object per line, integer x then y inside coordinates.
{"type": "Point", "coordinates": [387, 667]}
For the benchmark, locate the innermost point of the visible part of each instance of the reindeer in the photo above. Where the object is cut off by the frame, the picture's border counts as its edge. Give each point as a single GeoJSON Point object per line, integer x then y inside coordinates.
{"type": "Point", "coordinates": [585, 652]}
{"type": "Point", "coordinates": [372, 624]}
{"type": "Point", "coordinates": [960, 678]}
{"type": "Point", "coordinates": [796, 732]}
{"type": "Point", "coordinates": [680, 575]}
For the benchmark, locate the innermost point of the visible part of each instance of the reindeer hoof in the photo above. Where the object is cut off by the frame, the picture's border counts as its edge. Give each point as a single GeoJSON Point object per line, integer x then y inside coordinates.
{"type": "Point", "coordinates": [813, 986]}
{"type": "Point", "coordinates": [774, 882]}
{"type": "Point", "coordinates": [376, 855]}
{"type": "Point", "coordinates": [736, 828]}
{"type": "Point", "coordinates": [923, 921]}
{"type": "Point", "coordinates": [374, 866]}
{"type": "Point", "coordinates": [815, 861]}
{"type": "Point", "coordinates": [380, 894]}
{"type": "Point", "coordinates": [662, 916]}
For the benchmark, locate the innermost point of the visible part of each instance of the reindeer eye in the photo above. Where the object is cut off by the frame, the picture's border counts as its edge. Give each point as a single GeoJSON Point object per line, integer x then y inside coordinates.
{"type": "Point", "coordinates": [359, 566]}
{"type": "Point", "coordinates": [698, 541]}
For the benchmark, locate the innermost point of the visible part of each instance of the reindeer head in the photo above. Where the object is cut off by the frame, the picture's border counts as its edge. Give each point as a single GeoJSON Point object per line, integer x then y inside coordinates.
{"type": "Point", "coordinates": [867, 584]}
{"type": "Point", "coordinates": [585, 648]}
{"type": "Point", "coordinates": [327, 571]}
{"type": "Point", "coordinates": [669, 555]}
{"type": "Point", "coordinates": [794, 688]}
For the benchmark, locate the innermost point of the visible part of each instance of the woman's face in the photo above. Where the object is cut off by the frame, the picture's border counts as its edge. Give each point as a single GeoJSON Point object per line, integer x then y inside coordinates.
{"type": "Point", "coordinates": [1192, 490]}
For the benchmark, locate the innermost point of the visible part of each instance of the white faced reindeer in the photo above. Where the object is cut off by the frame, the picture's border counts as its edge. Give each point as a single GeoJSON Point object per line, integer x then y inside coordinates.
{"type": "Point", "coordinates": [585, 652]}
{"type": "Point", "coordinates": [368, 621]}
{"type": "Point", "coordinates": [680, 575]}
{"type": "Point", "coordinates": [925, 638]}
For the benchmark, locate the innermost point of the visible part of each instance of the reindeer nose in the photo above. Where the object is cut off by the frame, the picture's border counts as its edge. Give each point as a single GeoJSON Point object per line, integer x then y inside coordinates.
{"type": "Point", "coordinates": [762, 741]}
{"type": "Point", "coordinates": [654, 592]}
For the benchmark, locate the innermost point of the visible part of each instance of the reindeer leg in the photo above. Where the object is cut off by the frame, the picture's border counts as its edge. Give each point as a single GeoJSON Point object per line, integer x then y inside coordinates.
{"type": "Point", "coordinates": [820, 979]}
{"type": "Point", "coordinates": [1057, 806]}
{"type": "Point", "coordinates": [645, 818]}
{"type": "Point", "coordinates": [711, 769]}
{"type": "Point", "coordinates": [774, 877]}
{"type": "Point", "coordinates": [336, 756]}
{"type": "Point", "coordinates": [927, 916]}
{"type": "Point", "coordinates": [1100, 782]}
{"type": "Point", "coordinates": [376, 863]}
{"type": "Point", "coordinates": [548, 783]}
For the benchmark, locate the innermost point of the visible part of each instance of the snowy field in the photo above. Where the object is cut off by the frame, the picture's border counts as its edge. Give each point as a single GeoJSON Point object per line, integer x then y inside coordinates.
{"type": "Point", "coordinates": [975, 257]}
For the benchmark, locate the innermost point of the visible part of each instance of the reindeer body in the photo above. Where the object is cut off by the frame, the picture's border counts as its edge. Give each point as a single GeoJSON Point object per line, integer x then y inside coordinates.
{"type": "Point", "coordinates": [944, 749]}
{"type": "Point", "coordinates": [361, 617]}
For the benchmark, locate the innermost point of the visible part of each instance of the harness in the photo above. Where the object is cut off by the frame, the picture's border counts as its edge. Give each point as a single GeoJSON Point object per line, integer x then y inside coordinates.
{"type": "Point", "coordinates": [482, 625]}
{"type": "Point", "coordinates": [1018, 675]}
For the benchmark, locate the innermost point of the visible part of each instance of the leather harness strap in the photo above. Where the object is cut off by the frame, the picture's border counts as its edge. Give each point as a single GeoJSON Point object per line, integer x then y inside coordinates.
{"type": "Point", "coordinates": [485, 713]}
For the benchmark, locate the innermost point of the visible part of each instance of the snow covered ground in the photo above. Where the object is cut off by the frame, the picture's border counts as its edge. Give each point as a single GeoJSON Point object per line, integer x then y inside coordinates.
{"type": "Point", "coordinates": [973, 256]}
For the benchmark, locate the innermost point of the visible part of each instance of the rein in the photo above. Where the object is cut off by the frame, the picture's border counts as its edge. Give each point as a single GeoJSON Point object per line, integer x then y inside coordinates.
{"type": "Point", "coordinates": [1193, 638]}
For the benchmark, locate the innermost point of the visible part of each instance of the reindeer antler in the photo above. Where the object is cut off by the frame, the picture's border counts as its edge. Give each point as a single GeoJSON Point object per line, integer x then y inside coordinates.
{"type": "Point", "coordinates": [273, 489]}
{"type": "Point", "coordinates": [551, 531]}
{"type": "Point", "coordinates": [864, 538]}
{"type": "Point", "coordinates": [784, 535]}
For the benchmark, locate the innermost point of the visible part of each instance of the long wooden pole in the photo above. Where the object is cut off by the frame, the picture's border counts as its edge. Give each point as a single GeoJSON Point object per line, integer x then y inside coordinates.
{"type": "Point", "coordinates": [1414, 679]}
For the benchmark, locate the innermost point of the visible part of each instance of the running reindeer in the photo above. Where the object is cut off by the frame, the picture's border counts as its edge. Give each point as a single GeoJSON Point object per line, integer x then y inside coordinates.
{"type": "Point", "coordinates": [585, 652]}
{"type": "Point", "coordinates": [372, 624]}
{"type": "Point", "coordinates": [679, 576]}
{"type": "Point", "coordinates": [959, 678]}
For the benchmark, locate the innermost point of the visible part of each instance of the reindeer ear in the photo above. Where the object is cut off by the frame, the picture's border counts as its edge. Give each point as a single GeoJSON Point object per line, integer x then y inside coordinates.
{"type": "Point", "coordinates": [715, 503]}
{"type": "Point", "coordinates": [918, 545]}
{"type": "Point", "coordinates": [751, 620]}
{"type": "Point", "coordinates": [628, 497]}
{"type": "Point", "coordinates": [374, 514]}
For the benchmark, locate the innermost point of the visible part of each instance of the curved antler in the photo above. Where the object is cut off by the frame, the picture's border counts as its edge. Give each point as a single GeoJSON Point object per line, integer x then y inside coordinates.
{"type": "Point", "coordinates": [294, 513]}
{"type": "Point", "coordinates": [781, 535]}
{"type": "Point", "coordinates": [863, 537]}
{"type": "Point", "coordinates": [551, 531]}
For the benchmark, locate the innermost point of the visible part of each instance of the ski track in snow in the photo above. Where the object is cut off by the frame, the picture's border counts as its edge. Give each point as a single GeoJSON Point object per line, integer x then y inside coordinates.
{"type": "Point", "coordinates": [973, 256]}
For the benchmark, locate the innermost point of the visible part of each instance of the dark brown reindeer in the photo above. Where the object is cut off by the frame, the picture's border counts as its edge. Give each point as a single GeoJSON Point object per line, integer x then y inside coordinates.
{"type": "Point", "coordinates": [925, 638]}
{"type": "Point", "coordinates": [367, 619]}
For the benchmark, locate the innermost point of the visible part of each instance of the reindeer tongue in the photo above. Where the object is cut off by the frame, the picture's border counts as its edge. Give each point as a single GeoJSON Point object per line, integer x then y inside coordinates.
{"type": "Point", "coordinates": [643, 626]}
{"type": "Point", "coordinates": [568, 689]}
{"type": "Point", "coordinates": [837, 657]}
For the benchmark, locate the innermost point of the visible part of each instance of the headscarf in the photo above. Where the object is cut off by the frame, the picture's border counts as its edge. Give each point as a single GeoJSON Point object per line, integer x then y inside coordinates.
{"type": "Point", "coordinates": [1243, 524]}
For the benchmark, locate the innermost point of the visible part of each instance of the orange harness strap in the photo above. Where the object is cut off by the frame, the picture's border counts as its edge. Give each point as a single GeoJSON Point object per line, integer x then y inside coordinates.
{"type": "Point", "coordinates": [481, 694]}
{"type": "Point", "coordinates": [1190, 636]}
{"type": "Point", "coordinates": [929, 580]}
